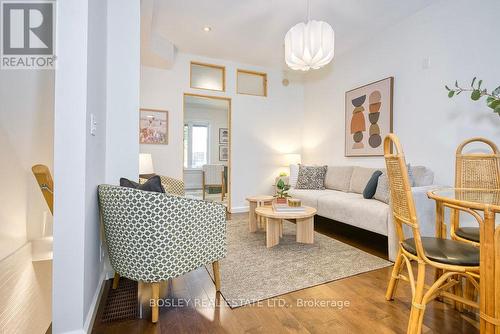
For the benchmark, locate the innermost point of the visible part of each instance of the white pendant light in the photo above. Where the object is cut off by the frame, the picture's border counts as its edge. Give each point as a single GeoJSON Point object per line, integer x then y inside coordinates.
{"type": "Point", "coordinates": [309, 45]}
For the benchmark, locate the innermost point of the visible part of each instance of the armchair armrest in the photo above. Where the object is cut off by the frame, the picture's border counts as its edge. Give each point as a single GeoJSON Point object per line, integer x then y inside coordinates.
{"type": "Point", "coordinates": [152, 237]}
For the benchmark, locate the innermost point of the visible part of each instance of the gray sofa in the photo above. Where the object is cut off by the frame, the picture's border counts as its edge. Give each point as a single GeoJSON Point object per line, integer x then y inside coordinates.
{"type": "Point", "coordinates": [343, 201]}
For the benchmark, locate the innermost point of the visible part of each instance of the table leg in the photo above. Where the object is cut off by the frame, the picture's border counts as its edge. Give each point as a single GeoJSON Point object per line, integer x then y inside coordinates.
{"type": "Point", "coordinates": [305, 230]}
{"type": "Point", "coordinates": [252, 219]}
{"type": "Point", "coordinates": [488, 296]}
{"type": "Point", "coordinates": [272, 232]}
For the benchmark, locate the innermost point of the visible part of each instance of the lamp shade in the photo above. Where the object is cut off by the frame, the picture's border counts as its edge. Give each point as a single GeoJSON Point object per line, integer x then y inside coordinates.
{"type": "Point", "coordinates": [145, 164]}
{"type": "Point", "coordinates": [309, 45]}
{"type": "Point", "coordinates": [292, 159]}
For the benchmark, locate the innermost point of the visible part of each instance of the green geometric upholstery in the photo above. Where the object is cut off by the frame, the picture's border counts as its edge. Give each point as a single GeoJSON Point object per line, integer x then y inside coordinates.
{"type": "Point", "coordinates": [171, 185]}
{"type": "Point", "coordinates": [152, 237]}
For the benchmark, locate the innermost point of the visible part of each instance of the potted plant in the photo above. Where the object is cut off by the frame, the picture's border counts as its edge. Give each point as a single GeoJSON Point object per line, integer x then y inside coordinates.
{"type": "Point", "coordinates": [282, 192]}
{"type": "Point", "coordinates": [476, 92]}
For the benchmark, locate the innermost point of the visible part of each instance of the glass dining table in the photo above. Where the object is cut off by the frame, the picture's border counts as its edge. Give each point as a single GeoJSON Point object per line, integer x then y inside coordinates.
{"type": "Point", "coordinates": [488, 202]}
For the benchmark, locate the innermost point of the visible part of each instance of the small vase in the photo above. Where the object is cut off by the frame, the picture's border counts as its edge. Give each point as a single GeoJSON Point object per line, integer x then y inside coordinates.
{"type": "Point", "coordinates": [280, 200]}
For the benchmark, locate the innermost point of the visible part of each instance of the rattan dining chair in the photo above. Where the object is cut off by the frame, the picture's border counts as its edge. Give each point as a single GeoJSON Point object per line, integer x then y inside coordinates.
{"type": "Point", "coordinates": [476, 170]}
{"type": "Point", "coordinates": [453, 258]}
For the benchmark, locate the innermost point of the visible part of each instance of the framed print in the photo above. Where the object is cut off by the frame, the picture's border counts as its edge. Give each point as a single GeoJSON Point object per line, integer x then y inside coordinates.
{"type": "Point", "coordinates": [153, 126]}
{"type": "Point", "coordinates": [223, 153]}
{"type": "Point", "coordinates": [223, 136]}
{"type": "Point", "coordinates": [368, 118]}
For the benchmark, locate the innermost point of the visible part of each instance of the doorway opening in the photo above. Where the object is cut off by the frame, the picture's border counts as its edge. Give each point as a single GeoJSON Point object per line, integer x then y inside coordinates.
{"type": "Point", "coordinates": [207, 147]}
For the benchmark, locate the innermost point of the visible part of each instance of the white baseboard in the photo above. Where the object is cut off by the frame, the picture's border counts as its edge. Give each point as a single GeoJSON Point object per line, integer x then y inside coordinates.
{"type": "Point", "coordinates": [239, 209]}
{"type": "Point", "coordinates": [89, 322]}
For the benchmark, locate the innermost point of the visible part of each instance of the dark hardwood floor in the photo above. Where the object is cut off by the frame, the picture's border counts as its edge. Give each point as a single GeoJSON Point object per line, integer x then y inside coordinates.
{"type": "Point", "coordinates": [367, 310]}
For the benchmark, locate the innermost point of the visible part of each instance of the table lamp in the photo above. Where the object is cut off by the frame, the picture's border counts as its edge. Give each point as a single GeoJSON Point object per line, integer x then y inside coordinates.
{"type": "Point", "coordinates": [146, 169]}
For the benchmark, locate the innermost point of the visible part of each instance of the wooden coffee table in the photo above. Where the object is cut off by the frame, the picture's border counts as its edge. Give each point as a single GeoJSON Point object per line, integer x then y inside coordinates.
{"type": "Point", "coordinates": [255, 202]}
{"type": "Point", "coordinates": [274, 221]}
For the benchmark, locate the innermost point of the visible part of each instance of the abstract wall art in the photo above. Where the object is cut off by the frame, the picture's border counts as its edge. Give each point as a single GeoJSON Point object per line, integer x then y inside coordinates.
{"type": "Point", "coordinates": [153, 126]}
{"type": "Point", "coordinates": [368, 118]}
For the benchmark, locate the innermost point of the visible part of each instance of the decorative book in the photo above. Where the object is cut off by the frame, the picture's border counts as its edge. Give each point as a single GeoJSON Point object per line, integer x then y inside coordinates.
{"type": "Point", "coordinates": [286, 208]}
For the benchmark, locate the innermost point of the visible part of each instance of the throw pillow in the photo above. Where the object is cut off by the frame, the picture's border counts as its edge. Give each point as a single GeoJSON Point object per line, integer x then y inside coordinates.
{"type": "Point", "coordinates": [410, 175]}
{"type": "Point", "coordinates": [311, 177]}
{"type": "Point", "coordinates": [294, 174]}
{"type": "Point", "coordinates": [152, 184]}
{"type": "Point", "coordinates": [371, 186]}
{"type": "Point", "coordinates": [382, 192]}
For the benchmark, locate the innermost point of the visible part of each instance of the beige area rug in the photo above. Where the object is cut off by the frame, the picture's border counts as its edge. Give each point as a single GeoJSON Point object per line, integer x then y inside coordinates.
{"type": "Point", "coordinates": [251, 272]}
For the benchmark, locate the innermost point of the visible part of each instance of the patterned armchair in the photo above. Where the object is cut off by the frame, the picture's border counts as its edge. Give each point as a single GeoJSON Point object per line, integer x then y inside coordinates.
{"type": "Point", "coordinates": [152, 237]}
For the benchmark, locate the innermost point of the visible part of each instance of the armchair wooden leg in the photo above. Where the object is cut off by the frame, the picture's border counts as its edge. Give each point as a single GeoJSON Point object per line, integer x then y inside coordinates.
{"type": "Point", "coordinates": [116, 281]}
{"type": "Point", "coordinates": [215, 267]}
{"type": "Point", "coordinates": [155, 295]}
{"type": "Point", "coordinates": [393, 283]}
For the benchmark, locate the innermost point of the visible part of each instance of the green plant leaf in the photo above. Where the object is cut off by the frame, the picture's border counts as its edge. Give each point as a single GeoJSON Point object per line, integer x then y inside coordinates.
{"type": "Point", "coordinates": [476, 95]}
{"type": "Point", "coordinates": [492, 102]}
{"type": "Point", "coordinates": [451, 93]}
{"type": "Point", "coordinates": [496, 91]}
{"type": "Point", "coordinates": [472, 83]}
{"type": "Point", "coordinates": [479, 84]}
{"type": "Point", "coordinates": [497, 110]}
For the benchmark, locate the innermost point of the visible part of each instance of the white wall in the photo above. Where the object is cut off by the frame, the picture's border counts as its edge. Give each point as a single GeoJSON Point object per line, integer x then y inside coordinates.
{"type": "Point", "coordinates": [262, 127]}
{"type": "Point", "coordinates": [89, 81]}
{"type": "Point", "coordinates": [26, 139]}
{"type": "Point", "coordinates": [122, 156]}
{"type": "Point", "coordinates": [457, 38]}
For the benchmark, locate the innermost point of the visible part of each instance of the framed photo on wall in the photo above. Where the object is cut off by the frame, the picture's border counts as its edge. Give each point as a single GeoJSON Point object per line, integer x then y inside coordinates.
{"type": "Point", "coordinates": [223, 153]}
{"type": "Point", "coordinates": [368, 118]}
{"type": "Point", "coordinates": [223, 136]}
{"type": "Point", "coordinates": [153, 126]}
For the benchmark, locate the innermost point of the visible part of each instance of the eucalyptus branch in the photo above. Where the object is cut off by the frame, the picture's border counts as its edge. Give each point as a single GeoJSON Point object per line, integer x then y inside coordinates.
{"type": "Point", "coordinates": [492, 100]}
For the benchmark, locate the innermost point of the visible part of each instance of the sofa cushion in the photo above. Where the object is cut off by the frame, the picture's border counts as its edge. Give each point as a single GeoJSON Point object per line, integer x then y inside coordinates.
{"type": "Point", "coordinates": [311, 177]}
{"type": "Point", "coordinates": [371, 186]}
{"type": "Point", "coordinates": [309, 197]}
{"type": "Point", "coordinates": [359, 178]}
{"type": "Point", "coordinates": [422, 176]}
{"type": "Point", "coordinates": [353, 209]}
{"type": "Point", "coordinates": [338, 177]}
{"type": "Point", "coordinates": [382, 192]}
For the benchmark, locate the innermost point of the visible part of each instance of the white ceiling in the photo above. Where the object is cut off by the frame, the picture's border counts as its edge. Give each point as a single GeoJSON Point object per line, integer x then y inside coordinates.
{"type": "Point", "coordinates": [252, 31]}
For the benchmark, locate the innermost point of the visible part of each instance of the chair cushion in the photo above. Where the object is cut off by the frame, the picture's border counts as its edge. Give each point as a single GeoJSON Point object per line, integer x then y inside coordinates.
{"type": "Point", "coordinates": [469, 233]}
{"type": "Point", "coordinates": [446, 251]}
{"type": "Point", "coordinates": [152, 184]}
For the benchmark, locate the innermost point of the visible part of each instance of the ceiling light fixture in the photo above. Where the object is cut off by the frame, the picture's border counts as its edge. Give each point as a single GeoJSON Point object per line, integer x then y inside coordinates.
{"type": "Point", "coordinates": [309, 45]}
{"type": "Point", "coordinates": [207, 28]}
